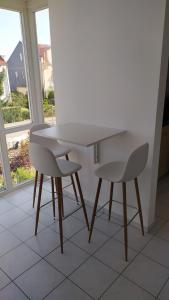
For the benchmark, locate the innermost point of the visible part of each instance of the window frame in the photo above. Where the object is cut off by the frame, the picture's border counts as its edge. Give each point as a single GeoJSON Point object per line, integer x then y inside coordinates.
{"type": "Point", "coordinates": [32, 74]}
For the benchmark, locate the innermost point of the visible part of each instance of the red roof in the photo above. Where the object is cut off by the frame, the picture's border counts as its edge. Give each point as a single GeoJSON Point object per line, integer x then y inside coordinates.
{"type": "Point", "coordinates": [2, 61]}
{"type": "Point", "coordinates": [42, 48]}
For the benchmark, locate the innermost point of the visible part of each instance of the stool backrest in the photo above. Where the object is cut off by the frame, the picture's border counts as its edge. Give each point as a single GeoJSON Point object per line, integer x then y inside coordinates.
{"type": "Point", "coordinates": [36, 127]}
{"type": "Point", "coordinates": [39, 139]}
{"type": "Point", "coordinates": [43, 160]}
{"type": "Point", "coordinates": [136, 162]}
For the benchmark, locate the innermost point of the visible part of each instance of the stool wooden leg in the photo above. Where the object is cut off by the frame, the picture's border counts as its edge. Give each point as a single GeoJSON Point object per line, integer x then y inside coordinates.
{"type": "Point", "coordinates": [111, 198]}
{"type": "Point", "coordinates": [38, 205]}
{"type": "Point", "coordinates": [62, 205]}
{"type": "Point", "coordinates": [95, 208]}
{"type": "Point", "coordinates": [125, 220]}
{"type": "Point", "coordinates": [58, 184]}
{"type": "Point", "coordinates": [53, 196]}
{"type": "Point", "coordinates": [73, 183]}
{"type": "Point", "coordinates": [35, 186]}
{"type": "Point", "coordinates": [82, 199]}
{"type": "Point", "coordinates": [139, 204]}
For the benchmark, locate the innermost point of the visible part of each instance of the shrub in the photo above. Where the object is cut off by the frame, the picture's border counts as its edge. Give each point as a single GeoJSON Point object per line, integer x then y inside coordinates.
{"type": "Point", "coordinates": [19, 99]}
{"type": "Point", "coordinates": [11, 114]}
{"type": "Point", "coordinates": [21, 174]}
{"type": "Point", "coordinates": [15, 114]}
{"type": "Point", "coordinates": [2, 183]}
{"type": "Point", "coordinates": [20, 157]}
{"type": "Point", "coordinates": [51, 97]}
{"type": "Point", "coordinates": [25, 113]}
{"type": "Point", "coordinates": [16, 99]}
{"type": "Point", "coordinates": [49, 110]}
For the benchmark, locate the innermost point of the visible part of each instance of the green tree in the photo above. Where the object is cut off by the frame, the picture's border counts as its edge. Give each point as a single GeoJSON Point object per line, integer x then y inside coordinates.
{"type": "Point", "coordinates": [2, 77]}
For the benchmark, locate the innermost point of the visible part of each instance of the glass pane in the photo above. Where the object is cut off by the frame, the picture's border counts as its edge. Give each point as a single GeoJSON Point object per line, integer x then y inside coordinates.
{"type": "Point", "coordinates": [45, 65]}
{"type": "Point", "coordinates": [2, 181]}
{"type": "Point", "coordinates": [14, 102]}
{"type": "Point", "coordinates": [18, 153]}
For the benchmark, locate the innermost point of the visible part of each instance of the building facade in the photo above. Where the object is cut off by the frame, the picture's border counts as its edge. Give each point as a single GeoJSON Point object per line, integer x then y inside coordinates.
{"type": "Point", "coordinates": [5, 84]}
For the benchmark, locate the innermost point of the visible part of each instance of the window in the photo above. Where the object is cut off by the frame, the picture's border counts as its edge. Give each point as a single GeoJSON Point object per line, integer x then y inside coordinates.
{"type": "Point", "coordinates": [45, 65]}
{"type": "Point", "coordinates": [18, 153]}
{"type": "Point", "coordinates": [15, 107]}
{"type": "Point", "coordinates": [2, 181]}
{"type": "Point", "coordinates": [20, 56]}
{"type": "Point", "coordinates": [15, 111]}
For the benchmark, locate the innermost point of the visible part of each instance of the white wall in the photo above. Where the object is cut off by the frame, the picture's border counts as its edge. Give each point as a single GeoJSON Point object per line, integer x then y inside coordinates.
{"type": "Point", "coordinates": [106, 58]}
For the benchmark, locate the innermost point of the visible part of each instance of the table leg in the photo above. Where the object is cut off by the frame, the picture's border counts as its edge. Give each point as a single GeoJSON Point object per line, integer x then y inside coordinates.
{"type": "Point", "coordinates": [96, 153]}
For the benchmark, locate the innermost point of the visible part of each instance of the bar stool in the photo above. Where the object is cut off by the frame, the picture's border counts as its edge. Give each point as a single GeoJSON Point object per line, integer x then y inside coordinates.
{"type": "Point", "coordinates": [45, 163]}
{"type": "Point", "coordinates": [57, 149]}
{"type": "Point", "coordinates": [122, 171]}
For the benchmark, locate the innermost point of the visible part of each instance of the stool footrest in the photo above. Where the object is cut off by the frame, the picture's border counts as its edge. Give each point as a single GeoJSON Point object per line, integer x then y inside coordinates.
{"type": "Point", "coordinates": [133, 218]}
{"type": "Point", "coordinates": [72, 212]}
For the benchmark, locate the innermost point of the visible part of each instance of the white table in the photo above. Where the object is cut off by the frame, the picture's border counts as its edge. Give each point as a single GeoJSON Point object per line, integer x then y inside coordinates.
{"type": "Point", "coordinates": [80, 134]}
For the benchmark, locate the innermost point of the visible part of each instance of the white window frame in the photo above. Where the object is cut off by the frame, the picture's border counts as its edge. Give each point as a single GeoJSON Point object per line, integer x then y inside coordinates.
{"type": "Point", "coordinates": [34, 7]}
{"type": "Point", "coordinates": [32, 83]}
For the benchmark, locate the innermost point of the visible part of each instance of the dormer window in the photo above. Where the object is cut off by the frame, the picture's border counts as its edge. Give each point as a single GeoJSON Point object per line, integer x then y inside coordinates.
{"type": "Point", "coordinates": [21, 58]}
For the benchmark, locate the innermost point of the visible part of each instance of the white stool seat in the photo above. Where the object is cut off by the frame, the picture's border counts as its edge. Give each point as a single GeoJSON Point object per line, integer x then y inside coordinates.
{"type": "Point", "coordinates": [58, 150]}
{"type": "Point", "coordinates": [68, 167]}
{"type": "Point", "coordinates": [112, 172]}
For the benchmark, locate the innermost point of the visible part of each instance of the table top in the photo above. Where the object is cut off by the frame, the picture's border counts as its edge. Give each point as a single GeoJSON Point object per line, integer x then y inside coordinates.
{"type": "Point", "coordinates": [79, 134]}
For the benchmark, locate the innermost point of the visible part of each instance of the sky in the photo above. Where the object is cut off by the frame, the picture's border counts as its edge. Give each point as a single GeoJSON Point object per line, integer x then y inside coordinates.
{"type": "Point", "coordinates": [10, 30]}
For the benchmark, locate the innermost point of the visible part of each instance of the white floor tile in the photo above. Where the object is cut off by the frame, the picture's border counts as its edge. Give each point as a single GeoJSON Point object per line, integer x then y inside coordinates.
{"type": "Point", "coordinates": [39, 281]}
{"type": "Point", "coordinates": [164, 295]}
{"type": "Point", "coordinates": [112, 254]}
{"type": "Point", "coordinates": [18, 260]}
{"type": "Point", "coordinates": [136, 240]}
{"type": "Point", "coordinates": [70, 226]}
{"type": "Point", "coordinates": [4, 280]}
{"type": "Point", "coordinates": [69, 260]}
{"type": "Point", "coordinates": [5, 206]}
{"type": "Point", "coordinates": [28, 208]}
{"type": "Point", "coordinates": [148, 274]}
{"type": "Point", "coordinates": [12, 217]}
{"type": "Point", "coordinates": [8, 242]}
{"type": "Point", "coordinates": [68, 290]}
{"type": "Point", "coordinates": [81, 240]}
{"type": "Point", "coordinates": [2, 228]}
{"type": "Point", "coordinates": [45, 242]}
{"type": "Point", "coordinates": [45, 219]}
{"type": "Point", "coordinates": [164, 232]}
{"type": "Point", "coordinates": [157, 225]}
{"type": "Point", "coordinates": [18, 197]}
{"type": "Point", "coordinates": [124, 289]}
{"type": "Point", "coordinates": [162, 209]}
{"type": "Point", "coordinates": [80, 215]}
{"type": "Point", "coordinates": [158, 250]}
{"type": "Point", "coordinates": [12, 292]}
{"type": "Point", "coordinates": [26, 229]}
{"type": "Point", "coordinates": [29, 188]}
{"type": "Point", "coordinates": [115, 218]}
{"type": "Point", "coordinates": [106, 227]}
{"type": "Point", "coordinates": [93, 277]}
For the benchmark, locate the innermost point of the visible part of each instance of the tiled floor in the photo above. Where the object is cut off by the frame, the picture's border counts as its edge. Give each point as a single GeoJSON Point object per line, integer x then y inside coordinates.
{"type": "Point", "coordinates": [33, 267]}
